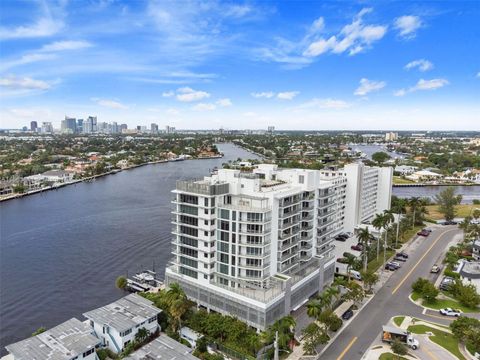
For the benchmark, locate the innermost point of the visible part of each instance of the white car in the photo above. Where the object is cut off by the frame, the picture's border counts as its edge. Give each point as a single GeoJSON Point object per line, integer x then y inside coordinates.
{"type": "Point", "coordinates": [450, 312]}
{"type": "Point", "coordinates": [435, 269]}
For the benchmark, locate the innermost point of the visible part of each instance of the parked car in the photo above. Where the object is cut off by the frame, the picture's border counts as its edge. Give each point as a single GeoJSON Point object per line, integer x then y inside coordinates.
{"type": "Point", "coordinates": [450, 312]}
{"type": "Point", "coordinates": [450, 222]}
{"type": "Point", "coordinates": [446, 282]}
{"type": "Point", "coordinates": [390, 266]}
{"type": "Point", "coordinates": [435, 269]}
{"type": "Point", "coordinates": [423, 233]}
{"type": "Point", "coordinates": [395, 263]}
{"type": "Point", "coordinates": [342, 260]}
{"type": "Point", "coordinates": [399, 258]}
{"type": "Point", "coordinates": [358, 247]}
{"type": "Point", "coordinates": [402, 254]}
{"type": "Point", "coordinates": [347, 314]}
{"type": "Point", "coordinates": [340, 238]}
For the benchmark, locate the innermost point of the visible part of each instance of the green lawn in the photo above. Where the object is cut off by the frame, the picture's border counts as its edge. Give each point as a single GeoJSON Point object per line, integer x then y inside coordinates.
{"type": "Point", "coordinates": [462, 211]}
{"type": "Point", "coordinates": [375, 264]}
{"type": "Point", "coordinates": [409, 233]}
{"type": "Point", "coordinates": [398, 320]}
{"type": "Point", "coordinates": [390, 356]}
{"type": "Point", "coordinates": [401, 181]}
{"type": "Point", "coordinates": [441, 338]}
{"type": "Point", "coordinates": [444, 303]}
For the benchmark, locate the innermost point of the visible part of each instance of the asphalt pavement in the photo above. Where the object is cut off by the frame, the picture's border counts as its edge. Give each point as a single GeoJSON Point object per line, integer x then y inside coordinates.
{"type": "Point", "coordinates": [392, 298]}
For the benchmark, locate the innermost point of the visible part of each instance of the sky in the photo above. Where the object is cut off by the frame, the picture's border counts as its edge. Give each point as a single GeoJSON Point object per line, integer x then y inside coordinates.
{"type": "Point", "coordinates": [295, 65]}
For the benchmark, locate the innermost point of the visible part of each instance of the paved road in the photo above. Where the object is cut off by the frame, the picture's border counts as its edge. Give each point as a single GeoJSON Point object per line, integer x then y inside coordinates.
{"type": "Point", "coordinates": [392, 298]}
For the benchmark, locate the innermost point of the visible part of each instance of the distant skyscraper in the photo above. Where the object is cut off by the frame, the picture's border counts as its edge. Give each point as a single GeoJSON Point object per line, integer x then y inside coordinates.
{"type": "Point", "coordinates": [169, 129]}
{"type": "Point", "coordinates": [90, 125]}
{"type": "Point", "coordinates": [123, 127]}
{"type": "Point", "coordinates": [69, 125]}
{"type": "Point", "coordinates": [47, 127]}
{"type": "Point", "coordinates": [33, 126]}
{"type": "Point", "coordinates": [391, 136]}
{"type": "Point", "coordinates": [115, 128]}
{"type": "Point", "coordinates": [24, 128]}
{"type": "Point", "coordinates": [271, 129]}
{"type": "Point", "coordinates": [154, 128]}
{"type": "Point", "coordinates": [79, 126]}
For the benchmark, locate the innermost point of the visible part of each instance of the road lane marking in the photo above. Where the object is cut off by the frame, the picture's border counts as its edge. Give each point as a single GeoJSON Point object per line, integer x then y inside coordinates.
{"type": "Point", "coordinates": [420, 260]}
{"type": "Point", "coordinates": [347, 348]}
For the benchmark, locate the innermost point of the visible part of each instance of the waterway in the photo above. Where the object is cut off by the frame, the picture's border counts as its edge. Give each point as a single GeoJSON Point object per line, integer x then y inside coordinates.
{"type": "Point", "coordinates": [61, 251]}
{"type": "Point", "coordinates": [469, 193]}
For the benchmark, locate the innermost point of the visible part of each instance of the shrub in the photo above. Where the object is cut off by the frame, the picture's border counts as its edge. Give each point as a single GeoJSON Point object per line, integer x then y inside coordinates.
{"type": "Point", "coordinates": [335, 323]}
{"type": "Point", "coordinates": [451, 273]}
{"type": "Point", "coordinates": [426, 289]}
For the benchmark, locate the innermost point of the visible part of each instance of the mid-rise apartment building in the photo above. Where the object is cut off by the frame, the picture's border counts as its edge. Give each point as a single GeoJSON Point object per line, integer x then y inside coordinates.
{"type": "Point", "coordinates": [258, 244]}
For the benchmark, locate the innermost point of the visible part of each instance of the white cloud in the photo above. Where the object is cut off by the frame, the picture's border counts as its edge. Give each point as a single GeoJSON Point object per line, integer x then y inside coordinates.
{"type": "Point", "coordinates": [423, 85]}
{"type": "Point", "coordinates": [168, 93]}
{"type": "Point", "coordinates": [327, 103]}
{"type": "Point", "coordinates": [368, 86]}
{"type": "Point", "coordinates": [287, 95]}
{"type": "Point", "coordinates": [224, 102]}
{"type": "Point", "coordinates": [23, 83]}
{"type": "Point", "coordinates": [66, 45]}
{"type": "Point", "coordinates": [187, 94]}
{"type": "Point", "coordinates": [109, 103]}
{"type": "Point", "coordinates": [42, 28]}
{"type": "Point", "coordinates": [421, 64]}
{"type": "Point", "coordinates": [354, 38]}
{"type": "Point", "coordinates": [265, 94]}
{"type": "Point", "coordinates": [408, 25]}
{"type": "Point", "coordinates": [204, 107]}
{"type": "Point", "coordinates": [478, 75]}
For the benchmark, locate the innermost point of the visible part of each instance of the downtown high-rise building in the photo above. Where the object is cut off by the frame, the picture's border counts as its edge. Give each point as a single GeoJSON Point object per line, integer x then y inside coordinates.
{"type": "Point", "coordinates": [68, 125]}
{"type": "Point", "coordinates": [33, 126]}
{"type": "Point", "coordinates": [154, 128]}
{"type": "Point", "coordinates": [90, 125]}
{"type": "Point", "coordinates": [258, 245]}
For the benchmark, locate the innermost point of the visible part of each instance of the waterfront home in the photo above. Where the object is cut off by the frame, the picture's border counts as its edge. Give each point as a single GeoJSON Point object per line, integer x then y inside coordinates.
{"type": "Point", "coordinates": [164, 348]}
{"type": "Point", "coordinates": [424, 175]}
{"type": "Point", "coordinates": [57, 176]}
{"type": "Point", "coordinates": [116, 324]}
{"type": "Point", "coordinates": [70, 340]}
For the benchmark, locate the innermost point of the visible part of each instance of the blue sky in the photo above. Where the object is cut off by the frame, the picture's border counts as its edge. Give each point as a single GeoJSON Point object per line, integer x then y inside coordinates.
{"type": "Point", "coordinates": [211, 64]}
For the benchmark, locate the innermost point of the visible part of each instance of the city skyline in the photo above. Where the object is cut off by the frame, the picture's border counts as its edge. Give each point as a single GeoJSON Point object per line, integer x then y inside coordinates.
{"type": "Point", "coordinates": [355, 65]}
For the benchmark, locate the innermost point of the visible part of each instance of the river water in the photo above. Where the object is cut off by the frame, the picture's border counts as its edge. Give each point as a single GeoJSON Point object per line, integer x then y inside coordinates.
{"type": "Point", "coordinates": [61, 251]}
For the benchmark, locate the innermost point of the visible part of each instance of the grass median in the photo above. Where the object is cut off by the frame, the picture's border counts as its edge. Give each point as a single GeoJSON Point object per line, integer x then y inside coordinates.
{"type": "Point", "coordinates": [441, 338]}
{"type": "Point", "coordinates": [441, 303]}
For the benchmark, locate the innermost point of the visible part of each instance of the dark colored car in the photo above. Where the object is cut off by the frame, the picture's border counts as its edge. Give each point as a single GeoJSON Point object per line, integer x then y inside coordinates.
{"type": "Point", "coordinates": [399, 258]}
{"type": "Point", "coordinates": [342, 260]}
{"type": "Point", "coordinates": [423, 233]}
{"type": "Point", "coordinates": [358, 247]}
{"type": "Point", "coordinates": [391, 267]}
{"type": "Point", "coordinates": [450, 222]}
{"type": "Point", "coordinates": [402, 254]}
{"type": "Point", "coordinates": [340, 238]}
{"type": "Point", "coordinates": [347, 314]}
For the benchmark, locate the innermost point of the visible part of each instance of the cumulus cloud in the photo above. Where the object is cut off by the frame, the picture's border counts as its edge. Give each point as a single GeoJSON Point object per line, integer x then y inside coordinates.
{"type": "Point", "coordinates": [66, 45]}
{"type": "Point", "coordinates": [407, 26]}
{"type": "Point", "coordinates": [204, 107]}
{"type": "Point", "coordinates": [354, 38]}
{"type": "Point", "coordinates": [109, 103]}
{"type": "Point", "coordinates": [224, 102]}
{"type": "Point", "coordinates": [420, 64]}
{"type": "Point", "coordinates": [287, 95]}
{"type": "Point", "coordinates": [422, 84]}
{"type": "Point", "coordinates": [327, 103]}
{"type": "Point", "coordinates": [23, 83]}
{"type": "Point", "coordinates": [368, 86]}
{"type": "Point", "coordinates": [187, 94]}
{"type": "Point", "coordinates": [265, 94]}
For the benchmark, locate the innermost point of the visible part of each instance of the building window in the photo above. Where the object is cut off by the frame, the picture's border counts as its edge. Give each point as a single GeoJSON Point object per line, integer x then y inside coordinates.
{"type": "Point", "coordinates": [301, 179]}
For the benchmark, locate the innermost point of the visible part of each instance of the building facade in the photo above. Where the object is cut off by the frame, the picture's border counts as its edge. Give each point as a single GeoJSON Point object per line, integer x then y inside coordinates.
{"type": "Point", "coordinates": [258, 245]}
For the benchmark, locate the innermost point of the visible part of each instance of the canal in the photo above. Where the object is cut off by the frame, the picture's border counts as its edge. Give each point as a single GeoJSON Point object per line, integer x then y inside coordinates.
{"type": "Point", "coordinates": [61, 251]}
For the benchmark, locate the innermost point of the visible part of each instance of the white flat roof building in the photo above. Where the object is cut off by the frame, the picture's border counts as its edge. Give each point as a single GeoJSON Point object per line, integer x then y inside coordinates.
{"type": "Point", "coordinates": [258, 244]}
{"type": "Point", "coordinates": [164, 348]}
{"type": "Point", "coordinates": [116, 324]}
{"type": "Point", "coordinates": [70, 340]}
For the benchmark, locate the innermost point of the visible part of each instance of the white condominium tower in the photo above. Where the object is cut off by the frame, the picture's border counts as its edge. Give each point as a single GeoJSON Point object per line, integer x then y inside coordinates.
{"type": "Point", "coordinates": [256, 245]}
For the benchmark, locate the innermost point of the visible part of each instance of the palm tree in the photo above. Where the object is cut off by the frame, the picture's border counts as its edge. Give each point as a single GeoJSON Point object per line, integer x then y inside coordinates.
{"type": "Point", "coordinates": [414, 203]}
{"type": "Point", "coordinates": [141, 335]}
{"type": "Point", "coordinates": [314, 308]}
{"type": "Point", "coordinates": [399, 207]}
{"type": "Point", "coordinates": [364, 238]}
{"type": "Point", "coordinates": [387, 219]}
{"type": "Point", "coordinates": [178, 304]}
{"type": "Point", "coordinates": [378, 223]}
{"type": "Point", "coordinates": [350, 261]}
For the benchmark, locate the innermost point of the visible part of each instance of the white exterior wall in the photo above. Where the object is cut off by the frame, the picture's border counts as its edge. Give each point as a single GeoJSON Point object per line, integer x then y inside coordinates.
{"type": "Point", "coordinates": [115, 335]}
